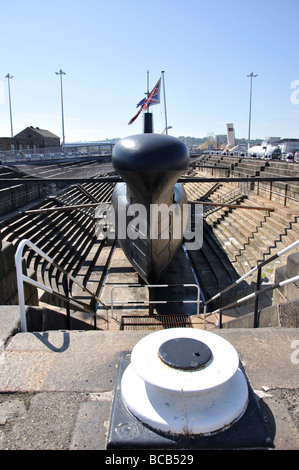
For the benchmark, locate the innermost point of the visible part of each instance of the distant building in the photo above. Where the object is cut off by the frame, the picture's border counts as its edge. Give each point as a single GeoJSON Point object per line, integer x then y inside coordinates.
{"type": "Point", "coordinates": [30, 138]}
{"type": "Point", "coordinates": [208, 145]}
{"type": "Point", "coordinates": [231, 141]}
{"type": "Point", "coordinates": [220, 140]}
{"type": "Point", "coordinates": [271, 140]}
{"type": "Point", "coordinates": [288, 145]}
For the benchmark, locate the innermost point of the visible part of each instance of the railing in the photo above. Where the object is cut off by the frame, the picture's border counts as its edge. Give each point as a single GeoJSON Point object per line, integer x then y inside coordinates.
{"type": "Point", "coordinates": [79, 149]}
{"type": "Point", "coordinates": [21, 278]}
{"type": "Point", "coordinates": [231, 195]}
{"type": "Point", "coordinates": [150, 302]}
{"type": "Point", "coordinates": [8, 157]}
{"type": "Point", "coordinates": [25, 155]}
{"type": "Point", "coordinates": [253, 295]}
{"type": "Point", "coordinates": [259, 186]}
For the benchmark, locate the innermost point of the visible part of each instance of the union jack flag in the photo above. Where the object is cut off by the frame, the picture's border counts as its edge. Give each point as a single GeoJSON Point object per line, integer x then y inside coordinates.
{"type": "Point", "coordinates": [154, 98]}
{"type": "Point", "coordinates": [141, 103]}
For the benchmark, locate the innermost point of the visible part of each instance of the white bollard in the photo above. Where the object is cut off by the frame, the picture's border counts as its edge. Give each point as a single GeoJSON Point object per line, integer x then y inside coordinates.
{"type": "Point", "coordinates": [185, 382]}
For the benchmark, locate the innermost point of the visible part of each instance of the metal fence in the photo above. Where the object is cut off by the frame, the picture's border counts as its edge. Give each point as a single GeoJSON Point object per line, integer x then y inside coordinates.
{"type": "Point", "coordinates": [54, 153]}
{"type": "Point", "coordinates": [254, 295]}
{"type": "Point", "coordinates": [66, 296]}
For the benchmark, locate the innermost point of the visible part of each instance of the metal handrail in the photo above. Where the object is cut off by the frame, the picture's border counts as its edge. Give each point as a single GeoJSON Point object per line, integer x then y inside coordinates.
{"type": "Point", "coordinates": [284, 196]}
{"type": "Point", "coordinates": [258, 291]}
{"type": "Point", "coordinates": [148, 302]}
{"type": "Point", "coordinates": [223, 198]}
{"type": "Point", "coordinates": [21, 278]}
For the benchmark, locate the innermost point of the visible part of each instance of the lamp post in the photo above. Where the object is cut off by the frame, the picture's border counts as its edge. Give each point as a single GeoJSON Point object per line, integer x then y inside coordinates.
{"type": "Point", "coordinates": [62, 115]}
{"type": "Point", "coordinates": [251, 75]}
{"type": "Point", "coordinates": [9, 77]}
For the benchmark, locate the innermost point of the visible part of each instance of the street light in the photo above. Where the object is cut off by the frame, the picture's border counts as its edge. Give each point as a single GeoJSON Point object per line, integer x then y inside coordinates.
{"type": "Point", "coordinates": [63, 138]}
{"type": "Point", "coordinates": [9, 77]}
{"type": "Point", "coordinates": [251, 75]}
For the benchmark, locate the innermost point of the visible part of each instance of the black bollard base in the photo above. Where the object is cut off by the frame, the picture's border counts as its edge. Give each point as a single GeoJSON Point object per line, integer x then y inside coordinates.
{"type": "Point", "coordinates": [126, 432]}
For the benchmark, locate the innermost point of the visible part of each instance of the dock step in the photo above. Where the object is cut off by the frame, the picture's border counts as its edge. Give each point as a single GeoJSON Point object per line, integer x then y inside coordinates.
{"type": "Point", "coordinates": [154, 322]}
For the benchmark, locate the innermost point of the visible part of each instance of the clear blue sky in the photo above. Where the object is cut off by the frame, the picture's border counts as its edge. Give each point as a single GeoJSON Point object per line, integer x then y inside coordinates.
{"type": "Point", "coordinates": [207, 49]}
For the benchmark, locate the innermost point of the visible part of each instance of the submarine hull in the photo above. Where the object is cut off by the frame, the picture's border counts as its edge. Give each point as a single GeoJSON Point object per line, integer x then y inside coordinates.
{"type": "Point", "coordinates": [148, 206]}
{"type": "Point", "coordinates": [150, 252]}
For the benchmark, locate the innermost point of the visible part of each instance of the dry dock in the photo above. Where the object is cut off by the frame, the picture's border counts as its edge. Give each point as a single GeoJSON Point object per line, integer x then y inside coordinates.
{"type": "Point", "coordinates": [57, 387]}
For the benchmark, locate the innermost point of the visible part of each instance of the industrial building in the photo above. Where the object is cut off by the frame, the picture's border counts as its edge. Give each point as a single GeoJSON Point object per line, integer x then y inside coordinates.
{"type": "Point", "coordinates": [30, 138]}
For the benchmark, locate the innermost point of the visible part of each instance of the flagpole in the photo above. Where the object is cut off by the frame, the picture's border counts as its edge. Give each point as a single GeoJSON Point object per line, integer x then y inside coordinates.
{"type": "Point", "coordinates": [148, 93]}
{"type": "Point", "coordinates": [166, 128]}
{"type": "Point", "coordinates": [152, 98]}
{"type": "Point", "coordinates": [147, 117]}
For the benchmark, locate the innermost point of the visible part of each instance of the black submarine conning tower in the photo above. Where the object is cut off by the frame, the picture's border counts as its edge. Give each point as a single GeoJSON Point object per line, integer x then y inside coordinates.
{"type": "Point", "coordinates": [150, 164]}
{"type": "Point", "coordinates": [148, 127]}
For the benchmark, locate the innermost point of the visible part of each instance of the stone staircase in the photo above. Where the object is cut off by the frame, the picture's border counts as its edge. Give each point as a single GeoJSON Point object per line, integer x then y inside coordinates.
{"type": "Point", "coordinates": [211, 263]}
{"type": "Point", "coordinates": [251, 236]}
{"type": "Point", "coordinates": [284, 310]}
{"type": "Point", "coordinates": [67, 236]}
{"type": "Point", "coordinates": [244, 238]}
{"type": "Point", "coordinates": [239, 166]}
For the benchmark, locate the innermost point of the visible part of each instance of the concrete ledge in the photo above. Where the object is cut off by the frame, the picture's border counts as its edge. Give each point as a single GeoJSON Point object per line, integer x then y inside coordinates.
{"type": "Point", "coordinates": [284, 315]}
{"type": "Point", "coordinates": [63, 382]}
{"type": "Point", "coordinates": [290, 291]}
{"type": "Point", "coordinates": [293, 266]}
{"type": "Point", "coordinates": [289, 314]}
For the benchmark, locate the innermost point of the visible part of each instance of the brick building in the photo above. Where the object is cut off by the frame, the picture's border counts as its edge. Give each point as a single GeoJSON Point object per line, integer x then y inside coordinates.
{"type": "Point", "coordinates": [30, 138]}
